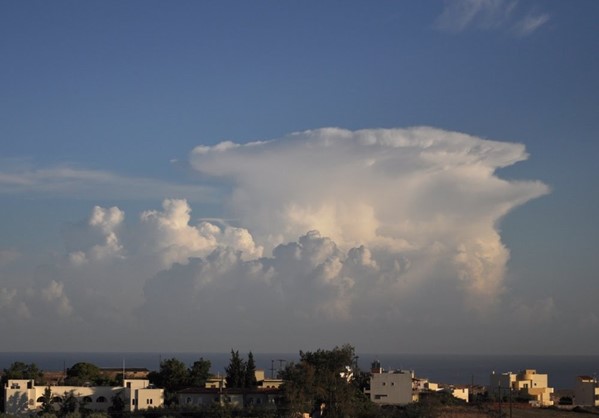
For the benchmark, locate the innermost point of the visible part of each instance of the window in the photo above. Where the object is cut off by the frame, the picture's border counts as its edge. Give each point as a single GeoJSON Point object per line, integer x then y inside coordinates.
{"type": "Point", "coordinates": [129, 385]}
{"type": "Point", "coordinates": [101, 399]}
{"type": "Point", "coordinates": [40, 399]}
{"type": "Point", "coordinates": [87, 399]}
{"type": "Point", "coordinates": [133, 402]}
{"type": "Point", "coordinates": [188, 400]}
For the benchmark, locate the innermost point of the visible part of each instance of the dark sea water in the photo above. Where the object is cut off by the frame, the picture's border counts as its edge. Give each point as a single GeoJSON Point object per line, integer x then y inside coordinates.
{"type": "Point", "coordinates": [455, 369]}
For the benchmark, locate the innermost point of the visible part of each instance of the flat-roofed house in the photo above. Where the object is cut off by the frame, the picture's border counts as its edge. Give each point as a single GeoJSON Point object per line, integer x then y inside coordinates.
{"type": "Point", "coordinates": [524, 383]}
{"type": "Point", "coordinates": [22, 396]}
{"type": "Point", "coordinates": [586, 391]}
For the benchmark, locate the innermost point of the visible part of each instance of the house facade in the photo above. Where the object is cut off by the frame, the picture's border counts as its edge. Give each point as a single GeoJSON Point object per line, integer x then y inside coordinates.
{"type": "Point", "coordinates": [527, 383]}
{"type": "Point", "coordinates": [586, 391]}
{"type": "Point", "coordinates": [22, 396]}
{"type": "Point", "coordinates": [391, 388]}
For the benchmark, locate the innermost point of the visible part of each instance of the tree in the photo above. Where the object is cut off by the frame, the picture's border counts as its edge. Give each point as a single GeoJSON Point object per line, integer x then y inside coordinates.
{"type": "Point", "coordinates": [199, 373]}
{"type": "Point", "coordinates": [46, 407]}
{"type": "Point", "coordinates": [236, 371]}
{"type": "Point", "coordinates": [320, 380]}
{"type": "Point", "coordinates": [117, 405]}
{"type": "Point", "coordinates": [69, 404]}
{"type": "Point", "coordinates": [84, 373]}
{"type": "Point", "coordinates": [250, 372]}
{"type": "Point", "coordinates": [172, 377]}
{"type": "Point", "coordinates": [20, 370]}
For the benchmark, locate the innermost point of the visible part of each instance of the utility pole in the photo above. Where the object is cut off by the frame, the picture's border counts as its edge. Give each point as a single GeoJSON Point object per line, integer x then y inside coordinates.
{"type": "Point", "coordinates": [499, 396]}
{"type": "Point", "coordinates": [510, 402]}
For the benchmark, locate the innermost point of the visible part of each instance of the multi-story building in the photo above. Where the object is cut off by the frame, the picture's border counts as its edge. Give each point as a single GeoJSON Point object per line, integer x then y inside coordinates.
{"type": "Point", "coordinates": [22, 396]}
{"type": "Point", "coordinates": [527, 383]}
{"type": "Point", "coordinates": [586, 392]}
{"type": "Point", "coordinates": [390, 388]}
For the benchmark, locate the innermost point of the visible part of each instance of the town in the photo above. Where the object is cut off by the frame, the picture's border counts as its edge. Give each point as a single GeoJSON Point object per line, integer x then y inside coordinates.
{"type": "Point", "coordinates": [322, 383]}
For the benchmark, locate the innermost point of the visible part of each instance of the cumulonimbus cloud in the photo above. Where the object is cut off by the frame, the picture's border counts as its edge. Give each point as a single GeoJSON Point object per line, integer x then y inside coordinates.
{"type": "Point", "coordinates": [407, 191]}
{"type": "Point", "coordinates": [333, 227]}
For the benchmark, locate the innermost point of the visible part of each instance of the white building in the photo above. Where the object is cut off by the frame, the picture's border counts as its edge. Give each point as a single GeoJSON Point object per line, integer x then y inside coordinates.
{"type": "Point", "coordinates": [391, 388]}
{"type": "Point", "coordinates": [586, 392]}
{"type": "Point", "coordinates": [22, 396]}
{"type": "Point", "coordinates": [525, 383]}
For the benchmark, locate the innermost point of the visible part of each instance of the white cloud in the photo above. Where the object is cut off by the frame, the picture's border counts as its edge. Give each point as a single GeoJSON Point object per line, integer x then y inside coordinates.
{"type": "Point", "coordinates": [408, 191]}
{"type": "Point", "coordinates": [98, 236]}
{"type": "Point", "coordinates": [529, 24]}
{"type": "Point", "coordinates": [460, 15]}
{"type": "Point", "coordinates": [54, 295]}
{"type": "Point", "coordinates": [11, 306]}
{"type": "Point", "coordinates": [169, 235]}
{"type": "Point", "coordinates": [73, 181]}
{"type": "Point", "coordinates": [341, 235]}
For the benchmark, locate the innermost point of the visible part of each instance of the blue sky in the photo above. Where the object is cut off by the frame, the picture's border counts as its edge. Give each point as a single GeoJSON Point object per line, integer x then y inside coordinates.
{"type": "Point", "coordinates": [106, 103]}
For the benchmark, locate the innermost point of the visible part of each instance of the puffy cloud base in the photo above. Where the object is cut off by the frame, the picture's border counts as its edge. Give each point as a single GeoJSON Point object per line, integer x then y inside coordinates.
{"type": "Point", "coordinates": [371, 232]}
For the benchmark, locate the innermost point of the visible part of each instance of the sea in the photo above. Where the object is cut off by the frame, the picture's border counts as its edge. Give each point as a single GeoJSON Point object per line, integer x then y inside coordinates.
{"type": "Point", "coordinates": [450, 369]}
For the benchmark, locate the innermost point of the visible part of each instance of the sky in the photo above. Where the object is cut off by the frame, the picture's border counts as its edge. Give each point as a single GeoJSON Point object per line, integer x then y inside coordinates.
{"type": "Point", "coordinates": [403, 176]}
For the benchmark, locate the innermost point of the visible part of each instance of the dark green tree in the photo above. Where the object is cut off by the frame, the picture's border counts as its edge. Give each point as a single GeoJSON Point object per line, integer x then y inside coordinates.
{"type": "Point", "coordinates": [199, 373]}
{"type": "Point", "coordinates": [250, 372]}
{"type": "Point", "coordinates": [46, 407]}
{"type": "Point", "coordinates": [321, 380]}
{"type": "Point", "coordinates": [20, 370]}
{"type": "Point", "coordinates": [117, 406]}
{"type": "Point", "coordinates": [69, 404]}
{"type": "Point", "coordinates": [236, 371]}
{"type": "Point", "coordinates": [172, 377]}
{"type": "Point", "coordinates": [84, 373]}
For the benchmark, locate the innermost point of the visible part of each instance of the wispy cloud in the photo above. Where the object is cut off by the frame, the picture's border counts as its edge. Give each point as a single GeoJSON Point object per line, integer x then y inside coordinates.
{"type": "Point", "coordinates": [529, 24]}
{"type": "Point", "coordinates": [504, 15]}
{"type": "Point", "coordinates": [73, 181]}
